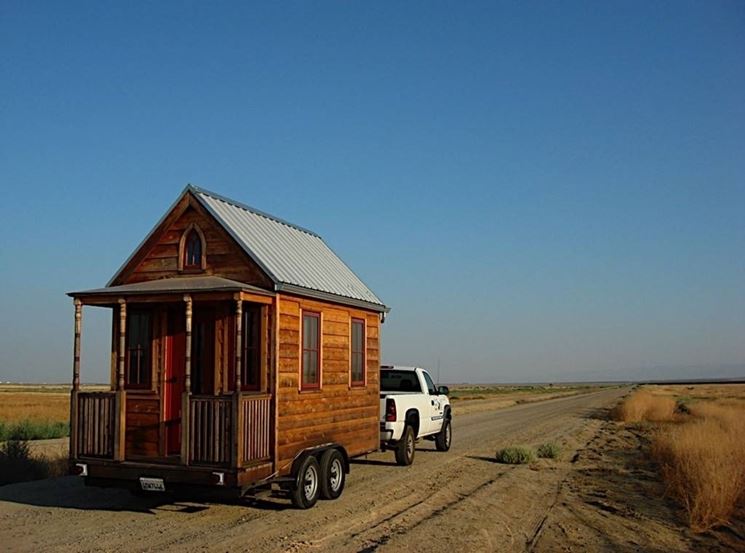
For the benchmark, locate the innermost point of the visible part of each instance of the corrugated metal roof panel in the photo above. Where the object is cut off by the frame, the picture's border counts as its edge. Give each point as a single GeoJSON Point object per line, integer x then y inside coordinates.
{"type": "Point", "coordinates": [289, 254]}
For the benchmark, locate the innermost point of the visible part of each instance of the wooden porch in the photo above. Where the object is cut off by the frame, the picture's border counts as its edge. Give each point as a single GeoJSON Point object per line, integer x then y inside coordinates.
{"type": "Point", "coordinates": [231, 428]}
{"type": "Point", "coordinates": [229, 431]}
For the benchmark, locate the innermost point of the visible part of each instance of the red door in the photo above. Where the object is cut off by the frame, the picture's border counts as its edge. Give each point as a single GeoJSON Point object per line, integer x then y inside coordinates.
{"type": "Point", "coordinates": [174, 380]}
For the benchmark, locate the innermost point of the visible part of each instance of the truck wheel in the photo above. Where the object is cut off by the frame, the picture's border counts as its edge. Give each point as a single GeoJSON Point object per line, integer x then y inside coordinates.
{"type": "Point", "coordinates": [305, 492]}
{"type": "Point", "coordinates": [405, 447]}
{"type": "Point", "coordinates": [332, 474]}
{"type": "Point", "coordinates": [444, 437]}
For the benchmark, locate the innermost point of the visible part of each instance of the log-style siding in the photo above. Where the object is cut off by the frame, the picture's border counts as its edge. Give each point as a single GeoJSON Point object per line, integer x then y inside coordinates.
{"type": "Point", "coordinates": [337, 412]}
{"type": "Point", "coordinates": [143, 425]}
{"type": "Point", "coordinates": [224, 257]}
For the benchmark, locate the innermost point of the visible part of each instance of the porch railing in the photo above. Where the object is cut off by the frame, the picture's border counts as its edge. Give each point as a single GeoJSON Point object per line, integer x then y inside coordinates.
{"type": "Point", "coordinates": [256, 422]}
{"type": "Point", "coordinates": [210, 426]}
{"type": "Point", "coordinates": [95, 424]}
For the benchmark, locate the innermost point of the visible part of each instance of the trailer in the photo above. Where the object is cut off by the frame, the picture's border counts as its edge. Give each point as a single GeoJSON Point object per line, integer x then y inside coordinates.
{"type": "Point", "coordinates": [244, 353]}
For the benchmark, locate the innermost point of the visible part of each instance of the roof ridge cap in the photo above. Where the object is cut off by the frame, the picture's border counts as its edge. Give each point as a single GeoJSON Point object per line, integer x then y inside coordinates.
{"type": "Point", "coordinates": [246, 207]}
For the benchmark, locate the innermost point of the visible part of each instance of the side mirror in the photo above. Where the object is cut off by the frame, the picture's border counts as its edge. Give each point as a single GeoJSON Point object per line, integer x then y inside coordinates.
{"type": "Point", "coordinates": [443, 390]}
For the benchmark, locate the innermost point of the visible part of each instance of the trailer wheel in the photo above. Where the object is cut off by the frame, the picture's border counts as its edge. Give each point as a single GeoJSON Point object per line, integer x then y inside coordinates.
{"type": "Point", "coordinates": [306, 489]}
{"type": "Point", "coordinates": [405, 448]}
{"type": "Point", "coordinates": [444, 437]}
{"type": "Point", "coordinates": [333, 474]}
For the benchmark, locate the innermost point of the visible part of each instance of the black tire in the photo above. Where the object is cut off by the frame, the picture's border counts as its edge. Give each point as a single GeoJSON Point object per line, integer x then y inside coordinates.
{"type": "Point", "coordinates": [333, 474]}
{"type": "Point", "coordinates": [406, 447]}
{"type": "Point", "coordinates": [444, 436]}
{"type": "Point", "coordinates": [307, 487]}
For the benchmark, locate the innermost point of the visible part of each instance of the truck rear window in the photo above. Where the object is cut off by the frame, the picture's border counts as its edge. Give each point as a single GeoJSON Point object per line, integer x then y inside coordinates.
{"type": "Point", "coordinates": [399, 381]}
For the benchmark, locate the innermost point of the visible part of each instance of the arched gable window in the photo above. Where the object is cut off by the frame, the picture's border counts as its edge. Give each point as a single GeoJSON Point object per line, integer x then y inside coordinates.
{"type": "Point", "coordinates": [192, 249]}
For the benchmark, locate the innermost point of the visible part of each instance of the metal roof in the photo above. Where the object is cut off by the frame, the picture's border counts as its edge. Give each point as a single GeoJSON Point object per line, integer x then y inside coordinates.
{"type": "Point", "coordinates": [296, 259]}
{"type": "Point", "coordinates": [177, 284]}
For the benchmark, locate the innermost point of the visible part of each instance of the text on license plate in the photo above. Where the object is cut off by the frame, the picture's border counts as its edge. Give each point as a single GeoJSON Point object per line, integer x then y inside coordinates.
{"type": "Point", "coordinates": [152, 484]}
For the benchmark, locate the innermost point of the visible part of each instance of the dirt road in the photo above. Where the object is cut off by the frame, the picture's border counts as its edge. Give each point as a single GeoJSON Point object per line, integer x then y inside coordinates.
{"type": "Point", "coordinates": [459, 500]}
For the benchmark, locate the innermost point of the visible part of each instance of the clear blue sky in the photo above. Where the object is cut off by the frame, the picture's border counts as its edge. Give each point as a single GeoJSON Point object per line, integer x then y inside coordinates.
{"type": "Point", "coordinates": [539, 190]}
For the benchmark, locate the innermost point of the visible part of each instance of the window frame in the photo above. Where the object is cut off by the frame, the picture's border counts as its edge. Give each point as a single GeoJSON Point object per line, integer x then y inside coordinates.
{"type": "Point", "coordinates": [319, 371]}
{"type": "Point", "coordinates": [428, 380]}
{"type": "Point", "coordinates": [184, 250]}
{"type": "Point", "coordinates": [352, 353]}
{"type": "Point", "coordinates": [145, 383]}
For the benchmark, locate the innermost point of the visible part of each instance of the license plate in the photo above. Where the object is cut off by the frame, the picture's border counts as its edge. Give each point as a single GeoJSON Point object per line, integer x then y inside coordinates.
{"type": "Point", "coordinates": [152, 484]}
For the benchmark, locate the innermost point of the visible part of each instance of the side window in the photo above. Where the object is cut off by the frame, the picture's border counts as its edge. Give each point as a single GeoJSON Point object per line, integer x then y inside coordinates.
{"type": "Point", "coordinates": [430, 385]}
{"type": "Point", "coordinates": [358, 352]}
{"type": "Point", "coordinates": [311, 361]}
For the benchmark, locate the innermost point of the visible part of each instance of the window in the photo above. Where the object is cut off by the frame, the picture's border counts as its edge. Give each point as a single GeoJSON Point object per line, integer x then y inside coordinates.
{"type": "Point", "coordinates": [193, 250]}
{"type": "Point", "coordinates": [358, 352]}
{"type": "Point", "coordinates": [251, 348]}
{"type": "Point", "coordinates": [138, 355]}
{"type": "Point", "coordinates": [430, 385]}
{"type": "Point", "coordinates": [399, 381]}
{"type": "Point", "coordinates": [311, 362]}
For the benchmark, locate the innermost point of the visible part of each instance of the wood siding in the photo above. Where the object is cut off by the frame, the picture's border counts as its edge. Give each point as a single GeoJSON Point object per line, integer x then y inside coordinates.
{"type": "Point", "coordinates": [224, 258]}
{"type": "Point", "coordinates": [337, 412]}
{"type": "Point", "coordinates": [143, 425]}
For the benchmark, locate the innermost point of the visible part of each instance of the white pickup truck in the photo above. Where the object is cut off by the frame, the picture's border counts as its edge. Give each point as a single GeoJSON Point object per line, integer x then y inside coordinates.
{"type": "Point", "coordinates": [412, 407]}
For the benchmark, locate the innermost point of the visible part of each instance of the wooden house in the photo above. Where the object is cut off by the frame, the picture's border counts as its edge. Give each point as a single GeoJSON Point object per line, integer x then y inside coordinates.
{"type": "Point", "coordinates": [243, 352]}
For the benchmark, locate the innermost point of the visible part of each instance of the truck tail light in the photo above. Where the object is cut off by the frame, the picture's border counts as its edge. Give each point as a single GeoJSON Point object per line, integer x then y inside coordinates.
{"type": "Point", "coordinates": [390, 410]}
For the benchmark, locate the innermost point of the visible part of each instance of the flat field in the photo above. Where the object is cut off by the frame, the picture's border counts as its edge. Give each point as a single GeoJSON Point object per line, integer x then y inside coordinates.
{"type": "Point", "coordinates": [600, 493]}
{"type": "Point", "coordinates": [19, 402]}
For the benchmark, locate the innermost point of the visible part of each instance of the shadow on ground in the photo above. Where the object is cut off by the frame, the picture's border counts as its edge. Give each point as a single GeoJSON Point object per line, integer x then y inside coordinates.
{"type": "Point", "coordinates": [70, 492]}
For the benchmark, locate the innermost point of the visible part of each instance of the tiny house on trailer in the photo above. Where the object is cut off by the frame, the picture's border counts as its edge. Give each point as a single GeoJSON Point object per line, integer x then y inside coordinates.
{"type": "Point", "coordinates": [243, 352]}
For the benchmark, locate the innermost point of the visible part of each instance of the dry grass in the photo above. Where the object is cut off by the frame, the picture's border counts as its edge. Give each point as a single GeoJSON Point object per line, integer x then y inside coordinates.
{"type": "Point", "coordinates": [703, 462]}
{"type": "Point", "coordinates": [39, 406]}
{"type": "Point", "coordinates": [30, 415]}
{"type": "Point", "coordinates": [645, 406]}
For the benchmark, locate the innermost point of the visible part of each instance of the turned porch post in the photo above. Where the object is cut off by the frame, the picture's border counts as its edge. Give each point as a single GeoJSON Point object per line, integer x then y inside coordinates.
{"type": "Point", "coordinates": [122, 342]}
{"type": "Point", "coordinates": [238, 342]}
{"type": "Point", "coordinates": [187, 359]}
{"type": "Point", "coordinates": [120, 399]}
{"type": "Point", "coordinates": [237, 430]}
{"type": "Point", "coordinates": [73, 450]}
{"type": "Point", "coordinates": [185, 417]}
{"type": "Point", "coordinates": [76, 346]}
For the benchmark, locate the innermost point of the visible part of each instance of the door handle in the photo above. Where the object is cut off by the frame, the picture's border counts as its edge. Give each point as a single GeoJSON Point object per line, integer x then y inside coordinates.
{"type": "Point", "coordinates": [433, 402]}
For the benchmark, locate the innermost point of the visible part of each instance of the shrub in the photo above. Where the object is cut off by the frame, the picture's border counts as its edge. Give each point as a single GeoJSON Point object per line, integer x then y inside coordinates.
{"type": "Point", "coordinates": [643, 406]}
{"type": "Point", "coordinates": [17, 465]}
{"type": "Point", "coordinates": [515, 455]}
{"type": "Point", "coordinates": [548, 451]}
{"type": "Point", "coordinates": [702, 463]}
{"type": "Point", "coordinates": [29, 429]}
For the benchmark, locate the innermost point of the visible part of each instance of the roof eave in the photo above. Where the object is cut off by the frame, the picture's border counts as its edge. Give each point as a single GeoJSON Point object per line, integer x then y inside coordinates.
{"type": "Point", "coordinates": [188, 189]}
{"type": "Point", "coordinates": [335, 298]}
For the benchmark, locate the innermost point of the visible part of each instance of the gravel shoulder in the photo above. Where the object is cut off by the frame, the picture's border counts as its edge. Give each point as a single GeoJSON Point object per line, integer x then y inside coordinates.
{"type": "Point", "coordinates": [445, 501]}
